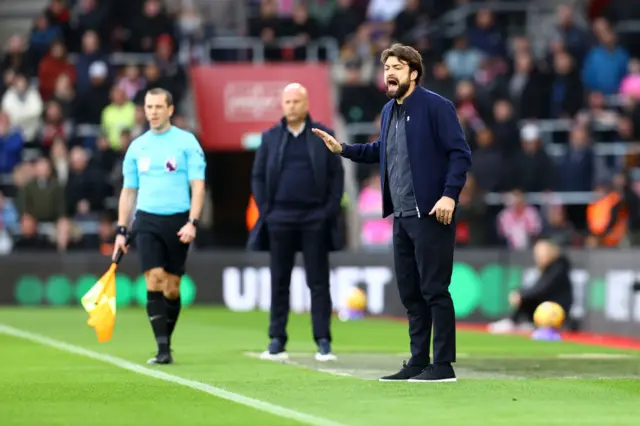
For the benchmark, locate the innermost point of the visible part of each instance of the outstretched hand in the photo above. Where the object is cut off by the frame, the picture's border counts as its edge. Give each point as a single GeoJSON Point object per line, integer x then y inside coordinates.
{"type": "Point", "coordinates": [332, 144]}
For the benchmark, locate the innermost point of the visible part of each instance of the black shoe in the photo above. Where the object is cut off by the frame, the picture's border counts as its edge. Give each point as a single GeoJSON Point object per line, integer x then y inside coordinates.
{"type": "Point", "coordinates": [407, 372]}
{"type": "Point", "coordinates": [161, 358]}
{"type": "Point", "coordinates": [436, 373]}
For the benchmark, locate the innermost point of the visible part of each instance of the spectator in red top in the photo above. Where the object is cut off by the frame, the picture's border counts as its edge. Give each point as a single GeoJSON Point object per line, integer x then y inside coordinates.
{"type": "Point", "coordinates": [53, 66]}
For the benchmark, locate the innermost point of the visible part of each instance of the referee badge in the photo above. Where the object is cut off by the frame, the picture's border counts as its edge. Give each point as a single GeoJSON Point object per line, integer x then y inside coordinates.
{"type": "Point", "coordinates": [144, 164]}
{"type": "Point", "coordinates": [171, 165]}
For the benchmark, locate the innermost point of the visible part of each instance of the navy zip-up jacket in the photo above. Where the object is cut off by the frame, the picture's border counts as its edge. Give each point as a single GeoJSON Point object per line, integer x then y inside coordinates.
{"type": "Point", "coordinates": [439, 156]}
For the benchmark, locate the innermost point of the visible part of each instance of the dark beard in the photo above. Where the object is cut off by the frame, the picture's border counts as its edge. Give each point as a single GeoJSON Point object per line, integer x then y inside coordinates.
{"type": "Point", "coordinates": [403, 88]}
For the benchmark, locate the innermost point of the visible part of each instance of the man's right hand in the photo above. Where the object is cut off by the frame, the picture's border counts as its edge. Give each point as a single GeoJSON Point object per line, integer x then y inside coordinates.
{"type": "Point", "coordinates": [119, 244]}
{"type": "Point", "coordinates": [331, 142]}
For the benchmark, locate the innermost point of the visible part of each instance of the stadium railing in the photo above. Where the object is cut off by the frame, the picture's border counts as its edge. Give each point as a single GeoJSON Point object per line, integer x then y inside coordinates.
{"type": "Point", "coordinates": [242, 45]}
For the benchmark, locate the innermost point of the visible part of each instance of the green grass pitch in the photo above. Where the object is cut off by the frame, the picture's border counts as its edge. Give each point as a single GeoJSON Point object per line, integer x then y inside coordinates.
{"type": "Point", "coordinates": [60, 376]}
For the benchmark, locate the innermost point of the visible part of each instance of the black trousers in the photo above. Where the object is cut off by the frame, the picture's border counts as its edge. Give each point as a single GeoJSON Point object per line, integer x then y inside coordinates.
{"type": "Point", "coordinates": [423, 257]}
{"type": "Point", "coordinates": [284, 239]}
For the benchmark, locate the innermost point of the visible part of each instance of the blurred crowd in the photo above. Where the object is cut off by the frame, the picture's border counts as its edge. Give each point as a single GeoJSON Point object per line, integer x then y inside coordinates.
{"type": "Point", "coordinates": [68, 113]}
{"type": "Point", "coordinates": [554, 113]}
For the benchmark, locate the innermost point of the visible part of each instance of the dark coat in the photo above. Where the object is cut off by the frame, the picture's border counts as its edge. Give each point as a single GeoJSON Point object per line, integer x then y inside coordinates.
{"type": "Point", "coordinates": [328, 173]}
{"type": "Point", "coordinates": [439, 156]}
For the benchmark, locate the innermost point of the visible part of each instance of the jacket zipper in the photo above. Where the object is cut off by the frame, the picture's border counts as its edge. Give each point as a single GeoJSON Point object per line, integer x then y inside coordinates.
{"type": "Point", "coordinates": [397, 153]}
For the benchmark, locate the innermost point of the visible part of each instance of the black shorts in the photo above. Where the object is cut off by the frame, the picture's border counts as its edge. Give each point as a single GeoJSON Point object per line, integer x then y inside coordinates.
{"type": "Point", "coordinates": [158, 243]}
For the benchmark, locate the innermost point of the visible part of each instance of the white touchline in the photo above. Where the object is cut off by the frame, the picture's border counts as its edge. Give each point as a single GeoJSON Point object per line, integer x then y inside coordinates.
{"type": "Point", "coordinates": [203, 387]}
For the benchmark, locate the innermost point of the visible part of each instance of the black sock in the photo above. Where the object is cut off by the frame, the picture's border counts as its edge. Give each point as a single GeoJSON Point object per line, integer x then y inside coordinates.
{"type": "Point", "coordinates": [173, 312]}
{"type": "Point", "coordinates": [157, 311]}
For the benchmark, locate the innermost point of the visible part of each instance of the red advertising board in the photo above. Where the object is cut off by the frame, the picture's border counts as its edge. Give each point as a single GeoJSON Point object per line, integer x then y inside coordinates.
{"type": "Point", "coordinates": [235, 103]}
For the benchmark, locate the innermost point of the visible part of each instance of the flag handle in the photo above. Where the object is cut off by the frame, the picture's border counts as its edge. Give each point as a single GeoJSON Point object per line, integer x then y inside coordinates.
{"type": "Point", "coordinates": [120, 253]}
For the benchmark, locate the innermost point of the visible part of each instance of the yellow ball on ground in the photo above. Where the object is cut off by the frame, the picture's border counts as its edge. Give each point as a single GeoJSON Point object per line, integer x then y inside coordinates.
{"type": "Point", "coordinates": [549, 315]}
{"type": "Point", "coordinates": [357, 300]}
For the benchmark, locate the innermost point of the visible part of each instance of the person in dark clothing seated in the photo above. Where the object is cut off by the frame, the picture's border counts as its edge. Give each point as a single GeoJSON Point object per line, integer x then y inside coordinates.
{"type": "Point", "coordinates": [554, 284]}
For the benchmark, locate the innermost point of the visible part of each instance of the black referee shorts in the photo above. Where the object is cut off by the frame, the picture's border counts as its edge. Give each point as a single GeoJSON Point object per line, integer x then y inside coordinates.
{"type": "Point", "coordinates": [158, 243]}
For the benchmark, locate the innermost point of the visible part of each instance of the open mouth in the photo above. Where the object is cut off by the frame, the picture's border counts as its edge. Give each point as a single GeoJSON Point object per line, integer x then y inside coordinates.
{"type": "Point", "coordinates": [392, 83]}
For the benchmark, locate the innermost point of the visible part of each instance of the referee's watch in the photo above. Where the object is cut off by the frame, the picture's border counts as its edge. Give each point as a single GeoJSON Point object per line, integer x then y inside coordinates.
{"type": "Point", "coordinates": [194, 222]}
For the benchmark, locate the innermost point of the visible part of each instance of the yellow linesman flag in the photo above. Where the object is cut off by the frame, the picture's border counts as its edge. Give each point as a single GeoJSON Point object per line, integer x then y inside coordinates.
{"type": "Point", "coordinates": [100, 303]}
{"type": "Point", "coordinates": [100, 300]}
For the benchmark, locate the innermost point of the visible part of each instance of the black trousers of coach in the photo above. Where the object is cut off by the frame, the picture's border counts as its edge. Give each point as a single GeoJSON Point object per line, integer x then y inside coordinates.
{"type": "Point", "coordinates": [284, 240]}
{"type": "Point", "coordinates": [423, 256]}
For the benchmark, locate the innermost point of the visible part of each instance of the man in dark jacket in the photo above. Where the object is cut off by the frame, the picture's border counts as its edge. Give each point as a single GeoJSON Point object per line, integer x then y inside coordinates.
{"type": "Point", "coordinates": [297, 185]}
{"type": "Point", "coordinates": [424, 160]}
{"type": "Point", "coordinates": [553, 285]}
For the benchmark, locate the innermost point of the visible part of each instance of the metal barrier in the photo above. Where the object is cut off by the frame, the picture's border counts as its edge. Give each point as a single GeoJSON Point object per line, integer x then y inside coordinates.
{"type": "Point", "coordinates": [257, 47]}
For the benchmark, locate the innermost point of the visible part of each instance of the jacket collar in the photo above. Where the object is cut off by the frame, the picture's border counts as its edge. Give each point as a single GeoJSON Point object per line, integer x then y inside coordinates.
{"type": "Point", "coordinates": [307, 122]}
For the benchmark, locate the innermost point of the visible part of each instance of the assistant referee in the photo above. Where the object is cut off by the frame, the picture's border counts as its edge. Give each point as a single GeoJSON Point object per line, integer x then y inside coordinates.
{"type": "Point", "coordinates": [164, 169]}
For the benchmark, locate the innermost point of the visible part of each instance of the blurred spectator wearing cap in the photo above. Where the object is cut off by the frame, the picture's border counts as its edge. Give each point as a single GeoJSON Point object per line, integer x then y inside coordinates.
{"type": "Point", "coordinates": [52, 66]}
{"type": "Point", "coordinates": [533, 170]}
{"type": "Point", "coordinates": [11, 144]}
{"type": "Point", "coordinates": [519, 223]}
{"type": "Point", "coordinates": [118, 115]}
{"type": "Point", "coordinates": [24, 105]}
{"type": "Point", "coordinates": [96, 98]}
{"type": "Point", "coordinates": [148, 26]}
{"type": "Point", "coordinates": [90, 53]}
{"type": "Point", "coordinates": [605, 65]}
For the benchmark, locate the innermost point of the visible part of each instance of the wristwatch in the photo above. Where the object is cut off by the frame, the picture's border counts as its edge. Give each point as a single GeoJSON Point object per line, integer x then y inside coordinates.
{"type": "Point", "coordinates": [194, 222]}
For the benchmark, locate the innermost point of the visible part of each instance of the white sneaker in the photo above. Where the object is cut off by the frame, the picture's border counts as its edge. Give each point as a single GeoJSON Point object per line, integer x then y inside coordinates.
{"type": "Point", "coordinates": [324, 353]}
{"type": "Point", "coordinates": [503, 326]}
{"type": "Point", "coordinates": [280, 356]}
{"type": "Point", "coordinates": [326, 357]}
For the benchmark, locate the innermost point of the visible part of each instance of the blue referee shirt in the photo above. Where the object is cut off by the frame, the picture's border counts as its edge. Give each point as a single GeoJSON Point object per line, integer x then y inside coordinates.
{"type": "Point", "coordinates": [160, 167]}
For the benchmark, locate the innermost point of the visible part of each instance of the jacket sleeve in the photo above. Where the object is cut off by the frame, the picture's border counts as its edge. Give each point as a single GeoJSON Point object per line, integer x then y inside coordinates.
{"type": "Point", "coordinates": [259, 175]}
{"type": "Point", "coordinates": [451, 136]}
{"type": "Point", "coordinates": [336, 183]}
{"type": "Point", "coordinates": [368, 153]}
